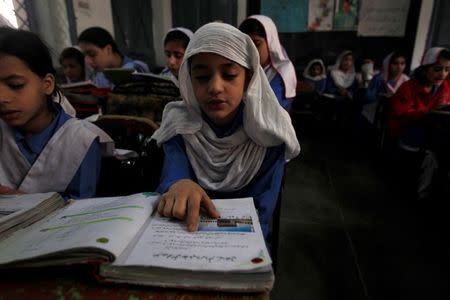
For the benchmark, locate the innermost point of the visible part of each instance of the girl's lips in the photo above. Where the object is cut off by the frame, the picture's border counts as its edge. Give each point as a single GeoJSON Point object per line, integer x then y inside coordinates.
{"type": "Point", "coordinates": [216, 104]}
{"type": "Point", "coordinates": [10, 115]}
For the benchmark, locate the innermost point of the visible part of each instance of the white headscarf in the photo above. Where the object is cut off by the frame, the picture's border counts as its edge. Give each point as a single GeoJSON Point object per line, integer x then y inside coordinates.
{"type": "Point", "coordinates": [228, 163]}
{"type": "Point", "coordinates": [315, 78]}
{"type": "Point", "coordinates": [385, 69]}
{"type": "Point", "coordinates": [184, 30]}
{"type": "Point", "coordinates": [431, 55]}
{"type": "Point", "coordinates": [340, 78]}
{"type": "Point", "coordinates": [278, 56]}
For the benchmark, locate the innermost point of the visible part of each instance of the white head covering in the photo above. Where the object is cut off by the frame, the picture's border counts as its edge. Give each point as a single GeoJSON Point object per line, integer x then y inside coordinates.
{"type": "Point", "coordinates": [315, 78]}
{"type": "Point", "coordinates": [228, 163]}
{"type": "Point", "coordinates": [340, 78]}
{"type": "Point", "coordinates": [431, 55]}
{"type": "Point", "coordinates": [385, 69]}
{"type": "Point", "coordinates": [184, 30]}
{"type": "Point", "coordinates": [278, 56]}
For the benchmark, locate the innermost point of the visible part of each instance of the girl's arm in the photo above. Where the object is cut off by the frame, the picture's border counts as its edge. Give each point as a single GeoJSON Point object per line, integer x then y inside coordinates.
{"type": "Point", "coordinates": [277, 86]}
{"type": "Point", "coordinates": [183, 197]}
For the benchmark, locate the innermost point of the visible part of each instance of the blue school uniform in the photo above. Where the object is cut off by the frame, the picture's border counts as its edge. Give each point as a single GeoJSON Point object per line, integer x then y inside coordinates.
{"type": "Point", "coordinates": [318, 85]}
{"type": "Point", "coordinates": [264, 187]}
{"type": "Point", "coordinates": [83, 184]}
{"type": "Point", "coordinates": [127, 63]}
{"type": "Point", "coordinates": [331, 88]}
{"type": "Point", "coordinates": [277, 86]}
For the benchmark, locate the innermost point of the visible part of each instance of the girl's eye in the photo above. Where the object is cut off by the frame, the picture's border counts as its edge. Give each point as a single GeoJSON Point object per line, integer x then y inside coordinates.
{"type": "Point", "coordinates": [16, 86]}
{"type": "Point", "coordinates": [229, 76]}
{"type": "Point", "coordinates": [202, 77]}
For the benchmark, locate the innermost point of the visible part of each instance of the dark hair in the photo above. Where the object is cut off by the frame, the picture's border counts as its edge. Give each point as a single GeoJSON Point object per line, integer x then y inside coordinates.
{"type": "Point", "coordinates": [99, 37]}
{"type": "Point", "coordinates": [29, 48]}
{"type": "Point", "coordinates": [177, 35]}
{"type": "Point", "coordinates": [317, 64]}
{"type": "Point", "coordinates": [253, 26]}
{"type": "Point", "coordinates": [396, 55]}
{"type": "Point", "coordinates": [445, 54]}
{"type": "Point", "coordinates": [74, 53]}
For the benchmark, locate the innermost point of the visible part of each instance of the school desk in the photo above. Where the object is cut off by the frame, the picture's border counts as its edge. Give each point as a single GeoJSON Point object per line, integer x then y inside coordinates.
{"type": "Point", "coordinates": [78, 283]}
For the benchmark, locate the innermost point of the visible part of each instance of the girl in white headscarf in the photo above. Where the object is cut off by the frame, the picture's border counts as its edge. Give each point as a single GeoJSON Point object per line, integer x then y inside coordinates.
{"type": "Point", "coordinates": [229, 137]}
{"type": "Point", "coordinates": [175, 43]}
{"type": "Point", "coordinates": [273, 58]}
{"type": "Point", "coordinates": [342, 81]}
{"type": "Point", "coordinates": [316, 75]}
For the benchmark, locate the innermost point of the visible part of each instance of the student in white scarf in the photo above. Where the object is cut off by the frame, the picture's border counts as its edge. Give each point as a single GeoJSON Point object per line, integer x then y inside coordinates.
{"type": "Point", "coordinates": [175, 43]}
{"type": "Point", "coordinates": [273, 58]}
{"type": "Point", "coordinates": [342, 81]}
{"type": "Point", "coordinates": [229, 137]}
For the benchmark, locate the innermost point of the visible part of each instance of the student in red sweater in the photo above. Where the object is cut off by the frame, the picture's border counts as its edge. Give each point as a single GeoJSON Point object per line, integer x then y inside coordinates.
{"type": "Point", "coordinates": [420, 142]}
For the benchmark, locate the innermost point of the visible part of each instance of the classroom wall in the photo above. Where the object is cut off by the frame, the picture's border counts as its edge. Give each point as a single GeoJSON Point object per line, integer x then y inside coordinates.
{"type": "Point", "coordinates": [90, 13]}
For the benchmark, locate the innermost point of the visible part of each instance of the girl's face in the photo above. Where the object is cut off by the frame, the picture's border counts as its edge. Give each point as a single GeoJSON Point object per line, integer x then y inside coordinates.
{"type": "Point", "coordinates": [263, 49]}
{"type": "Point", "coordinates": [437, 73]}
{"type": "Point", "coordinates": [72, 69]}
{"type": "Point", "coordinates": [23, 96]}
{"type": "Point", "coordinates": [219, 86]}
{"type": "Point", "coordinates": [98, 58]}
{"type": "Point", "coordinates": [316, 70]}
{"type": "Point", "coordinates": [347, 63]}
{"type": "Point", "coordinates": [174, 51]}
{"type": "Point", "coordinates": [397, 66]}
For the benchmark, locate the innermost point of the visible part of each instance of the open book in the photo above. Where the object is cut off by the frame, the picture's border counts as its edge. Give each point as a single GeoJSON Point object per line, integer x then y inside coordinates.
{"type": "Point", "coordinates": [19, 211]}
{"type": "Point", "coordinates": [133, 245]}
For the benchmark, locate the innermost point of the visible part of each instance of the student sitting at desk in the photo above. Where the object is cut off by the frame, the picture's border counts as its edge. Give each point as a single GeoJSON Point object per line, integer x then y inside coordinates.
{"type": "Point", "coordinates": [273, 58]}
{"type": "Point", "coordinates": [42, 149]}
{"type": "Point", "coordinates": [101, 52]}
{"type": "Point", "coordinates": [315, 75]}
{"type": "Point", "coordinates": [410, 106]}
{"type": "Point", "coordinates": [342, 82]}
{"type": "Point", "coordinates": [229, 137]}
{"type": "Point", "coordinates": [74, 66]}
{"type": "Point", "coordinates": [175, 44]}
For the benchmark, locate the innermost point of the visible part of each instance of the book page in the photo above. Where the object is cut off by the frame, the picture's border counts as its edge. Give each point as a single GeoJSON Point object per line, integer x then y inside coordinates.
{"type": "Point", "coordinates": [106, 223]}
{"type": "Point", "coordinates": [232, 242]}
{"type": "Point", "coordinates": [14, 205]}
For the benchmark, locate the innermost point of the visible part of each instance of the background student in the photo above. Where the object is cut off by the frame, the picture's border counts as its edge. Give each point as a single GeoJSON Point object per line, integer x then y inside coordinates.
{"type": "Point", "coordinates": [342, 81]}
{"type": "Point", "coordinates": [175, 44]}
{"type": "Point", "coordinates": [73, 64]}
{"type": "Point", "coordinates": [101, 52]}
{"type": "Point", "coordinates": [42, 148]}
{"type": "Point", "coordinates": [229, 137]}
{"type": "Point", "coordinates": [315, 75]}
{"type": "Point", "coordinates": [422, 147]}
{"type": "Point", "coordinates": [273, 58]}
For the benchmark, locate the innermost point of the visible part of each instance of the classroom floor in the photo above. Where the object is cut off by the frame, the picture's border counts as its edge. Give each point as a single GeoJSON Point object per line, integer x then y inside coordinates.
{"type": "Point", "coordinates": [345, 231]}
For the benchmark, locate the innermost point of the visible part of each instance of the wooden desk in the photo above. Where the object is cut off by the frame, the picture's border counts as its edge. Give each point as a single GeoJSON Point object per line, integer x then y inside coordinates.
{"type": "Point", "coordinates": [77, 283]}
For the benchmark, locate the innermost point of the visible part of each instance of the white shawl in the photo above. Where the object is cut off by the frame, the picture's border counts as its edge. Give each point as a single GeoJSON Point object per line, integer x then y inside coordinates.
{"type": "Point", "coordinates": [278, 56]}
{"type": "Point", "coordinates": [228, 163]}
{"type": "Point", "coordinates": [315, 78]}
{"type": "Point", "coordinates": [431, 55]}
{"type": "Point", "coordinates": [340, 78]}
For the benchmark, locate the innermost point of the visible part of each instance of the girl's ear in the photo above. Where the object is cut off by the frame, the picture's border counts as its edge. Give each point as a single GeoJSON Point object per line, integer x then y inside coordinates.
{"type": "Point", "coordinates": [48, 83]}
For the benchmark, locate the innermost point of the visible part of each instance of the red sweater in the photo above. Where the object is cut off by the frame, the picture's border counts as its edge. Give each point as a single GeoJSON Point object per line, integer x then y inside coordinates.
{"type": "Point", "coordinates": [410, 103]}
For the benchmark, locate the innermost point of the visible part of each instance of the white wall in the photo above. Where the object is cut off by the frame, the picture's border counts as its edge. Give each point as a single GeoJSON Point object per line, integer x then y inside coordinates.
{"type": "Point", "coordinates": [90, 13]}
{"type": "Point", "coordinates": [423, 26]}
{"type": "Point", "coordinates": [162, 22]}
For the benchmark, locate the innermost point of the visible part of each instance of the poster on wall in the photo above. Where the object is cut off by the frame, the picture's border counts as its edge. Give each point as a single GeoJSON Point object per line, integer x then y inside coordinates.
{"type": "Point", "coordinates": [288, 15]}
{"type": "Point", "coordinates": [383, 18]}
{"type": "Point", "coordinates": [320, 15]}
{"type": "Point", "coordinates": [346, 15]}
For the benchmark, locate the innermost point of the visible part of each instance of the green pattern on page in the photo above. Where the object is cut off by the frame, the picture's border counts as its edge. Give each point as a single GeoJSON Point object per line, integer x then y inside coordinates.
{"type": "Point", "coordinates": [102, 240]}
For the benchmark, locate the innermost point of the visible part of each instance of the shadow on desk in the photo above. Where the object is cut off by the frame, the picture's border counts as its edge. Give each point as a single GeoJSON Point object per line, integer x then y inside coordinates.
{"type": "Point", "coordinates": [77, 282]}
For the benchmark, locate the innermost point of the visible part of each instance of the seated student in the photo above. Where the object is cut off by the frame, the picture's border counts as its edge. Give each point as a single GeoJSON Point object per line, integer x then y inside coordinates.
{"type": "Point", "coordinates": [229, 137]}
{"type": "Point", "coordinates": [342, 81]}
{"type": "Point", "coordinates": [101, 52]}
{"type": "Point", "coordinates": [73, 64]}
{"type": "Point", "coordinates": [273, 57]}
{"type": "Point", "coordinates": [390, 78]}
{"type": "Point", "coordinates": [410, 105]}
{"type": "Point", "coordinates": [175, 44]}
{"type": "Point", "coordinates": [42, 148]}
{"type": "Point", "coordinates": [315, 74]}
{"type": "Point", "coordinates": [385, 83]}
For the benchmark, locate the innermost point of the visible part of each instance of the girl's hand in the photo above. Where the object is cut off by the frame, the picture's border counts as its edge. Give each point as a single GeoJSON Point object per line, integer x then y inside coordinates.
{"type": "Point", "coordinates": [4, 190]}
{"type": "Point", "coordinates": [183, 201]}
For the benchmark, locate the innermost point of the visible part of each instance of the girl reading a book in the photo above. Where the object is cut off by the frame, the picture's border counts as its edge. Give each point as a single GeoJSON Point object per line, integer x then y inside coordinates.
{"type": "Point", "coordinates": [175, 44]}
{"type": "Point", "coordinates": [273, 58]}
{"type": "Point", "coordinates": [229, 137]}
{"type": "Point", "coordinates": [42, 149]}
{"type": "Point", "coordinates": [101, 52]}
